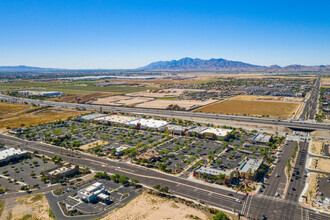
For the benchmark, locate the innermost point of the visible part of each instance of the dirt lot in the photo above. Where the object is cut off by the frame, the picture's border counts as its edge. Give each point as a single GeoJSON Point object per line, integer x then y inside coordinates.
{"type": "Point", "coordinates": [316, 147]}
{"type": "Point", "coordinates": [28, 207]}
{"type": "Point", "coordinates": [312, 187]}
{"type": "Point", "coordinates": [111, 100]}
{"type": "Point", "coordinates": [150, 207]}
{"type": "Point", "coordinates": [84, 98]}
{"type": "Point", "coordinates": [255, 108]}
{"type": "Point", "coordinates": [163, 104]}
{"type": "Point", "coordinates": [7, 109]}
{"type": "Point", "coordinates": [37, 117]}
{"type": "Point", "coordinates": [94, 144]}
{"type": "Point", "coordinates": [321, 164]}
{"type": "Point", "coordinates": [269, 98]}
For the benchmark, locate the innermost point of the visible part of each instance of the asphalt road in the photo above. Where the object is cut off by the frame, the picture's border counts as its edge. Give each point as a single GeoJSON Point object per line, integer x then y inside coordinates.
{"type": "Point", "coordinates": [297, 180]}
{"type": "Point", "coordinates": [254, 206]}
{"type": "Point", "coordinates": [277, 181]}
{"type": "Point", "coordinates": [169, 113]}
{"type": "Point", "coordinates": [311, 102]}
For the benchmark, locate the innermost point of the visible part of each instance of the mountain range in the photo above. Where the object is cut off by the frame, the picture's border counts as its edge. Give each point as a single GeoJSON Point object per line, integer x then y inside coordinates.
{"type": "Point", "coordinates": [189, 64]}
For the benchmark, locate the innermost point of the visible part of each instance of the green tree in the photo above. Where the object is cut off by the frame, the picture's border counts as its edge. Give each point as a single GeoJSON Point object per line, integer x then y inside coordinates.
{"type": "Point", "coordinates": [123, 179]}
{"type": "Point", "coordinates": [220, 216]}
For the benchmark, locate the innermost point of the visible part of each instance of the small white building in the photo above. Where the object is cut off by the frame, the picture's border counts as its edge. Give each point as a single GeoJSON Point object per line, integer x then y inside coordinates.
{"type": "Point", "coordinates": [93, 193]}
{"type": "Point", "coordinates": [11, 154]}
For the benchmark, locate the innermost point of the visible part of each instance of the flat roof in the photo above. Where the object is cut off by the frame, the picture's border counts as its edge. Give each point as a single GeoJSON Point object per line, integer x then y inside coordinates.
{"type": "Point", "coordinates": [212, 171]}
{"type": "Point", "coordinates": [62, 169]}
{"type": "Point", "coordinates": [217, 131]}
{"type": "Point", "coordinates": [251, 165]}
{"type": "Point", "coordinates": [8, 152]}
{"type": "Point", "coordinates": [116, 118]}
{"type": "Point", "coordinates": [150, 122]}
{"type": "Point", "coordinates": [92, 116]}
{"type": "Point", "coordinates": [262, 138]}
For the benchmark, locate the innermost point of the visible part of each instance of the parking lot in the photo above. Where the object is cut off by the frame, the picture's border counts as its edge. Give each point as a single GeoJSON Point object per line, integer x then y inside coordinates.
{"type": "Point", "coordinates": [118, 193]}
{"type": "Point", "coordinates": [26, 172]}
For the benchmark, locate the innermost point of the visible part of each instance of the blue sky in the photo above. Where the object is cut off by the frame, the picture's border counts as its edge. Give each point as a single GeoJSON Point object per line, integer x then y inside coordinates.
{"type": "Point", "coordinates": [133, 33]}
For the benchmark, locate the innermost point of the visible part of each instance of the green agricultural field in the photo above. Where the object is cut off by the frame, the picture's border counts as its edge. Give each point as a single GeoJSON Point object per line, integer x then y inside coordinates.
{"type": "Point", "coordinates": [70, 88]}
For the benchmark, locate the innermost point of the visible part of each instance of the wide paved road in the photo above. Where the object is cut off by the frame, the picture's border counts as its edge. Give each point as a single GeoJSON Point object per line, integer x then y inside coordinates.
{"type": "Point", "coordinates": [297, 180]}
{"type": "Point", "coordinates": [186, 114]}
{"type": "Point", "coordinates": [277, 181]}
{"type": "Point", "coordinates": [209, 194]}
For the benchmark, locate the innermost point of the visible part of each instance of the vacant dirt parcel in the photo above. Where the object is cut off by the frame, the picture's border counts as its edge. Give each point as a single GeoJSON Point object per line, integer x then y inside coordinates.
{"type": "Point", "coordinates": [37, 117]}
{"type": "Point", "coordinates": [7, 109]}
{"type": "Point", "coordinates": [163, 104]}
{"type": "Point", "coordinates": [255, 108]}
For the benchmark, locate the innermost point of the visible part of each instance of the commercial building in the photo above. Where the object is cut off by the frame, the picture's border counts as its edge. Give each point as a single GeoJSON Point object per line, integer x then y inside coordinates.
{"type": "Point", "coordinates": [147, 123]}
{"type": "Point", "coordinates": [204, 171]}
{"type": "Point", "coordinates": [11, 154]}
{"type": "Point", "coordinates": [60, 172]}
{"type": "Point", "coordinates": [90, 117]}
{"type": "Point", "coordinates": [249, 168]}
{"type": "Point", "coordinates": [115, 119]}
{"type": "Point", "coordinates": [261, 138]}
{"type": "Point", "coordinates": [36, 93]}
{"type": "Point", "coordinates": [174, 129]}
{"type": "Point", "coordinates": [94, 193]}
{"type": "Point", "coordinates": [213, 133]}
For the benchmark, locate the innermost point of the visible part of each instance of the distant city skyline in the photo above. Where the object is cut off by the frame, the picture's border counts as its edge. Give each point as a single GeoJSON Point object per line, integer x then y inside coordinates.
{"type": "Point", "coordinates": [103, 34]}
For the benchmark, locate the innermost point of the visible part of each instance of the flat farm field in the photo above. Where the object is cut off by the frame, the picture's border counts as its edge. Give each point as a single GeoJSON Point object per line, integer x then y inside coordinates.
{"type": "Point", "coordinates": [9, 109]}
{"type": "Point", "coordinates": [253, 108]}
{"type": "Point", "coordinates": [37, 117]}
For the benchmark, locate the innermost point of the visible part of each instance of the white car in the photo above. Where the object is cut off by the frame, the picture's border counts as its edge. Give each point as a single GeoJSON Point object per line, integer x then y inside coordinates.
{"type": "Point", "coordinates": [237, 201]}
{"type": "Point", "coordinates": [277, 194]}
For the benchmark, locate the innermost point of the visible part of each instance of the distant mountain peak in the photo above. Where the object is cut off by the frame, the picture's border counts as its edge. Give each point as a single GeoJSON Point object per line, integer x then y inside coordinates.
{"type": "Point", "coordinates": [220, 64]}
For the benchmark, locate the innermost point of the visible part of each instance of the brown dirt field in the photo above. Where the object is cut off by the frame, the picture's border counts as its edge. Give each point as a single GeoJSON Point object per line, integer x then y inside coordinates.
{"type": "Point", "coordinates": [35, 118]}
{"type": "Point", "coordinates": [150, 207]}
{"type": "Point", "coordinates": [270, 98]}
{"type": "Point", "coordinates": [311, 187]}
{"type": "Point", "coordinates": [93, 144]}
{"type": "Point", "coordinates": [322, 164]}
{"type": "Point", "coordinates": [162, 104]}
{"type": "Point", "coordinates": [247, 97]}
{"type": "Point", "coordinates": [255, 108]}
{"type": "Point", "coordinates": [110, 100]}
{"type": "Point", "coordinates": [134, 101]}
{"type": "Point", "coordinates": [27, 207]}
{"type": "Point", "coordinates": [316, 147]}
{"type": "Point", "coordinates": [9, 109]}
{"type": "Point", "coordinates": [84, 98]}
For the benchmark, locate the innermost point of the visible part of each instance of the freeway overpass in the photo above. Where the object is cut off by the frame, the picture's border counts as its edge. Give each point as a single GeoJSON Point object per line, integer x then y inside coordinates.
{"type": "Point", "coordinates": [299, 125]}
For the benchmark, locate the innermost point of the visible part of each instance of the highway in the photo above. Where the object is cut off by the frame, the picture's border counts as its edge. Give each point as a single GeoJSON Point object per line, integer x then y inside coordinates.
{"type": "Point", "coordinates": [255, 206]}
{"type": "Point", "coordinates": [169, 113]}
{"type": "Point", "coordinates": [311, 102]}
